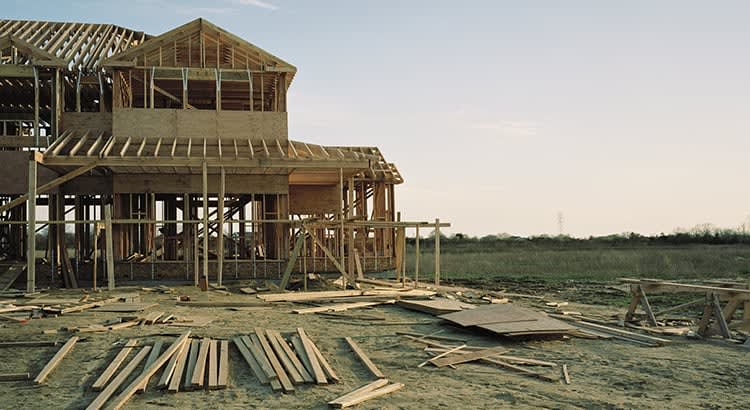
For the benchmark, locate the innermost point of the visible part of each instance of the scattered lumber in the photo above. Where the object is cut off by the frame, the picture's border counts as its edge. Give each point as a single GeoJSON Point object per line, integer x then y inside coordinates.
{"type": "Point", "coordinates": [254, 365]}
{"type": "Point", "coordinates": [334, 294]}
{"type": "Point", "coordinates": [179, 369]}
{"type": "Point", "coordinates": [445, 353]}
{"type": "Point", "coordinates": [433, 337]}
{"type": "Point", "coordinates": [223, 377]}
{"type": "Point", "coordinates": [566, 375]}
{"type": "Point", "coordinates": [114, 365]}
{"type": "Point", "coordinates": [102, 398]}
{"type": "Point", "coordinates": [290, 355]}
{"type": "Point", "coordinates": [223, 304]}
{"type": "Point", "coordinates": [199, 372]}
{"type": "Point", "coordinates": [192, 360]}
{"type": "Point", "coordinates": [130, 390]}
{"type": "Point", "coordinates": [365, 393]}
{"type": "Point", "coordinates": [213, 365]}
{"type": "Point", "coordinates": [340, 307]}
{"type": "Point", "coordinates": [620, 334]}
{"type": "Point", "coordinates": [55, 361]}
{"type": "Point", "coordinates": [363, 357]}
{"type": "Point", "coordinates": [248, 291]}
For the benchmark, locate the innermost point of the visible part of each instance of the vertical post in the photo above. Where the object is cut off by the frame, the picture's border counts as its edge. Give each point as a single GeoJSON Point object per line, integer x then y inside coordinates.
{"type": "Point", "coordinates": [437, 252]}
{"type": "Point", "coordinates": [304, 256]}
{"type": "Point", "coordinates": [36, 105]}
{"type": "Point", "coordinates": [96, 256]}
{"type": "Point", "coordinates": [151, 87]}
{"type": "Point", "coordinates": [220, 231]}
{"type": "Point", "coordinates": [31, 230]}
{"type": "Point", "coordinates": [205, 222]}
{"type": "Point", "coordinates": [101, 92]}
{"type": "Point", "coordinates": [110, 250]}
{"type": "Point", "coordinates": [416, 259]}
{"type": "Point", "coordinates": [250, 83]}
{"type": "Point", "coordinates": [341, 218]}
{"type": "Point", "coordinates": [78, 92]}
{"type": "Point", "coordinates": [218, 89]}
{"type": "Point", "coordinates": [184, 88]}
{"type": "Point", "coordinates": [350, 232]}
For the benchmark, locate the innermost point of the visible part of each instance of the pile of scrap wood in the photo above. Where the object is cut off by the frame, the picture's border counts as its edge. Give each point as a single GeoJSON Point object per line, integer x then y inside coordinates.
{"type": "Point", "coordinates": [41, 307]}
{"type": "Point", "coordinates": [284, 362]}
{"type": "Point", "coordinates": [509, 320]}
{"type": "Point", "coordinates": [48, 368]}
{"type": "Point", "coordinates": [444, 355]}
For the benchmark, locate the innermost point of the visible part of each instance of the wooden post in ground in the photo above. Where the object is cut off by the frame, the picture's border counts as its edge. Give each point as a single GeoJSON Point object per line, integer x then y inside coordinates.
{"type": "Point", "coordinates": [220, 230]}
{"type": "Point", "coordinates": [110, 250]}
{"type": "Point", "coordinates": [96, 257]}
{"type": "Point", "coordinates": [437, 252]}
{"type": "Point", "coordinates": [205, 222]}
{"type": "Point", "coordinates": [31, 230]}
{"type": "Point", "coordinates": [36, 105]}
{"type": "Point", "coordinates": [416, 258]}
{"type": "Point", "coordinates": [341, 218]}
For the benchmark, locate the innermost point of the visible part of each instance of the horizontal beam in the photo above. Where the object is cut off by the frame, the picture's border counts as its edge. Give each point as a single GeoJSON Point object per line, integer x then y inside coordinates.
{"type": "Point", "coordinates": [49, 186]}
{"type": "Point", "coordinates": [211, 162]}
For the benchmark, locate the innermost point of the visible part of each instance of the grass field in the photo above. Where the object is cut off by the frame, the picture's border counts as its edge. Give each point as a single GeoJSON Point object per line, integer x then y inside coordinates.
{"type": "Point", "coordinates": [590, 264]}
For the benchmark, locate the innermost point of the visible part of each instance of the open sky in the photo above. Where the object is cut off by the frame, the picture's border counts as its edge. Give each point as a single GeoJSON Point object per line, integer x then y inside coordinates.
{"type": "Point", "coordinates": [621, 115]}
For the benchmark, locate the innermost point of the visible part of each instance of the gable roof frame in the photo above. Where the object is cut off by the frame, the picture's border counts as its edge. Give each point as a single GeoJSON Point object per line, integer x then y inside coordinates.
{"type": "Point", "coordinates": [266, 60]}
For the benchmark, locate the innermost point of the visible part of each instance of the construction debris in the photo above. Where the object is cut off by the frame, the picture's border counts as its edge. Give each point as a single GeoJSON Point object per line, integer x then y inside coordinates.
{"type": "Point", "coordinates": [436, 307]}
{"type": "Point", "coordinates": [375, 389]}
{"type": "Point", "coordinates": [509, 320]}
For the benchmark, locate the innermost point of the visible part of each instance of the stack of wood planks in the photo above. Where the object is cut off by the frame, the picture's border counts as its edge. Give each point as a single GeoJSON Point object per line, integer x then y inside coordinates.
{"type": "Point", "coordinates": [153, 318]}
{"type": "Point", "coordinates": [188, 364]}
{"type": "Point", "coordinates": [437, 306]}
{"type": "Point", "coordinates": [283, 362]}
{"type": "Point", "coordinates": [509, 320]}
{"type": "Point", "coordinates": [604, 331]}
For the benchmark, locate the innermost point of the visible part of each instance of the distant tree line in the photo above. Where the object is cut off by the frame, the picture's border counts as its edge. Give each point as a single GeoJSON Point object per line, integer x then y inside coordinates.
{"type": "Point", "coordinates": [704, 234]}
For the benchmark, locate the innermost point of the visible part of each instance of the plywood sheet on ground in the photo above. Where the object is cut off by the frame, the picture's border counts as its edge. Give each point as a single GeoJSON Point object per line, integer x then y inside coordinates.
{"type": "Point", "coordinates": [544, 325]}
{"type": "Point", "coordinates": [439, 306]}
{"type": "Point", "coordinates": [126, 307]}
{"type": "Point", "coordinates": [500, 313]}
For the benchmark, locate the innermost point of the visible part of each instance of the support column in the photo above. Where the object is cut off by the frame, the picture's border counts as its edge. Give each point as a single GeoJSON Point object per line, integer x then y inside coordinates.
{"type": "Point", "coordinates": [31, 230]}
{"type": "Point", "coordinates": [437, 252]}
{"type": "Point", "coordinates": [206, 230]}
{"type": "Point", "coordinates": [416, 258]}
{"type": "Point", "coordinates": [220, 230]}
{"type": "Point", "coordinates": [109, 246]}
{"type": "Point", "coordinates": [36, 105]}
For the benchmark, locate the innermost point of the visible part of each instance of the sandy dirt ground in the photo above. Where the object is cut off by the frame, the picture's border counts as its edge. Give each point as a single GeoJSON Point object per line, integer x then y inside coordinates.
{"type": "Point", "coordinates": [605, 374]}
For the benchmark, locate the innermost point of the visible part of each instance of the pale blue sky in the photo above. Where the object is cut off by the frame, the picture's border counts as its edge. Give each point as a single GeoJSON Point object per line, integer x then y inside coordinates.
{"type": "Point", "coordinates": [624, 116]}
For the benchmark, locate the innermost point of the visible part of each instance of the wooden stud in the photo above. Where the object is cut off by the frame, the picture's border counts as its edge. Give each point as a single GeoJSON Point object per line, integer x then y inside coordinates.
{"type": "Point", "coordinates": [179, 369]}
{"type": "Point", "coordinates": [221, 383]}
{"type": "Point", "coordinates": [114, 365]}
{"type": "Point", "coordinates": [213, 365]}
{"type": "Point", "coordinates": [169, 369]}
{"type": "Point", "coordinates": [206, 230]}
{"type": "Point", "coordinates": [437, 252]}
{"type": "Point", "coordinates": [55, 361]}
{"type": "Point", "coordinates": [220, 230]}
{"type": "Point", "coordinates": [31, 230]}
{"type": "Point", "coordinates": [110, 249]}
{"type": "Point", "coordinates": [199, 372]}
{"type": "Point", "coordinates": [153, 355]}
{"type": "Point", "coordinates": [316, 368]}
{"type": "Point", "coordinates": [102, 398]}
{"type": "Point", "coordinates": [363, 357]}
{"type": "Point", "coordinates": [192, 360]}
{"type": "Point", "coordinates": [292, 356]}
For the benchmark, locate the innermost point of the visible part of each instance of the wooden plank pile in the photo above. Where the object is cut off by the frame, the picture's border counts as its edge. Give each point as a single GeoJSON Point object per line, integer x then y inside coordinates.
{"type": "Point", "coordinates": [187, 364]}
{"type": "Point", "coordinates": [283, 362]}
{"type": "Point", "coordinates": [509, 320]}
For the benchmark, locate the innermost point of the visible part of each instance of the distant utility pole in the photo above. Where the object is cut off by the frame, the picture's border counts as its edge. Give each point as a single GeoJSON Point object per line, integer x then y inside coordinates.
{"type": "Point", "coordinates": [560, 223]}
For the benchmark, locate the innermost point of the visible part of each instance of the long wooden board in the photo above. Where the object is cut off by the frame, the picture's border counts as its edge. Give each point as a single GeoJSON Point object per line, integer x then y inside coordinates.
{"type": "Point", "coordinates": [102, 398]}
{"type": "Point", "coordinates": [199, 372]}
{"type": "Point", "coordinates": [151, 358]}
{"type": "Point", "coordinates": [179, 369]}
{"type": "Point", "coordinates": [222, 381]}
{"type": "Point", "coordinates": [55, 361]}
{"type": "Point", "coordinates": [213, 365]}
{"type": "Point", "coordinates": [463, 358]}
{"type": "Point", "coordinates": [363, 357]}
{"type": "Point", "coordinates": [114, 365]}
{"type": "Point", "coordinates": [368, 395]}
{"type": "Point", "coordinates": [330, 373]}
{"type": "Point", "coordinates": [253, 344]}
{"type": "Point", "coordinates": [192, 359]}
{"type": "Point", "coordinates": [292, 357]}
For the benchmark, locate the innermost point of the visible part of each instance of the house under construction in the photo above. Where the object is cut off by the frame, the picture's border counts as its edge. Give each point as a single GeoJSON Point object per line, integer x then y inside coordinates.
{"type": "Point", "coordinates": [150, 157]}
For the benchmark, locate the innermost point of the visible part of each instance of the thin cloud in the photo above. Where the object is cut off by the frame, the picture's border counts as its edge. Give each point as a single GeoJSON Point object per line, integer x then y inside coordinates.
{"type": "Point", "coordinates": [258, 3]}
{"type": "Point", "coordinates": [205, 10]}
{"type": "Point", "coordinates": [508, 128]}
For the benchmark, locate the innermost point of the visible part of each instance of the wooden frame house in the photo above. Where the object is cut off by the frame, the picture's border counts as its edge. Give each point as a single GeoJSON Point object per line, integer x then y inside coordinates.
{"type": "Point", "coordinates": [169, 157]}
